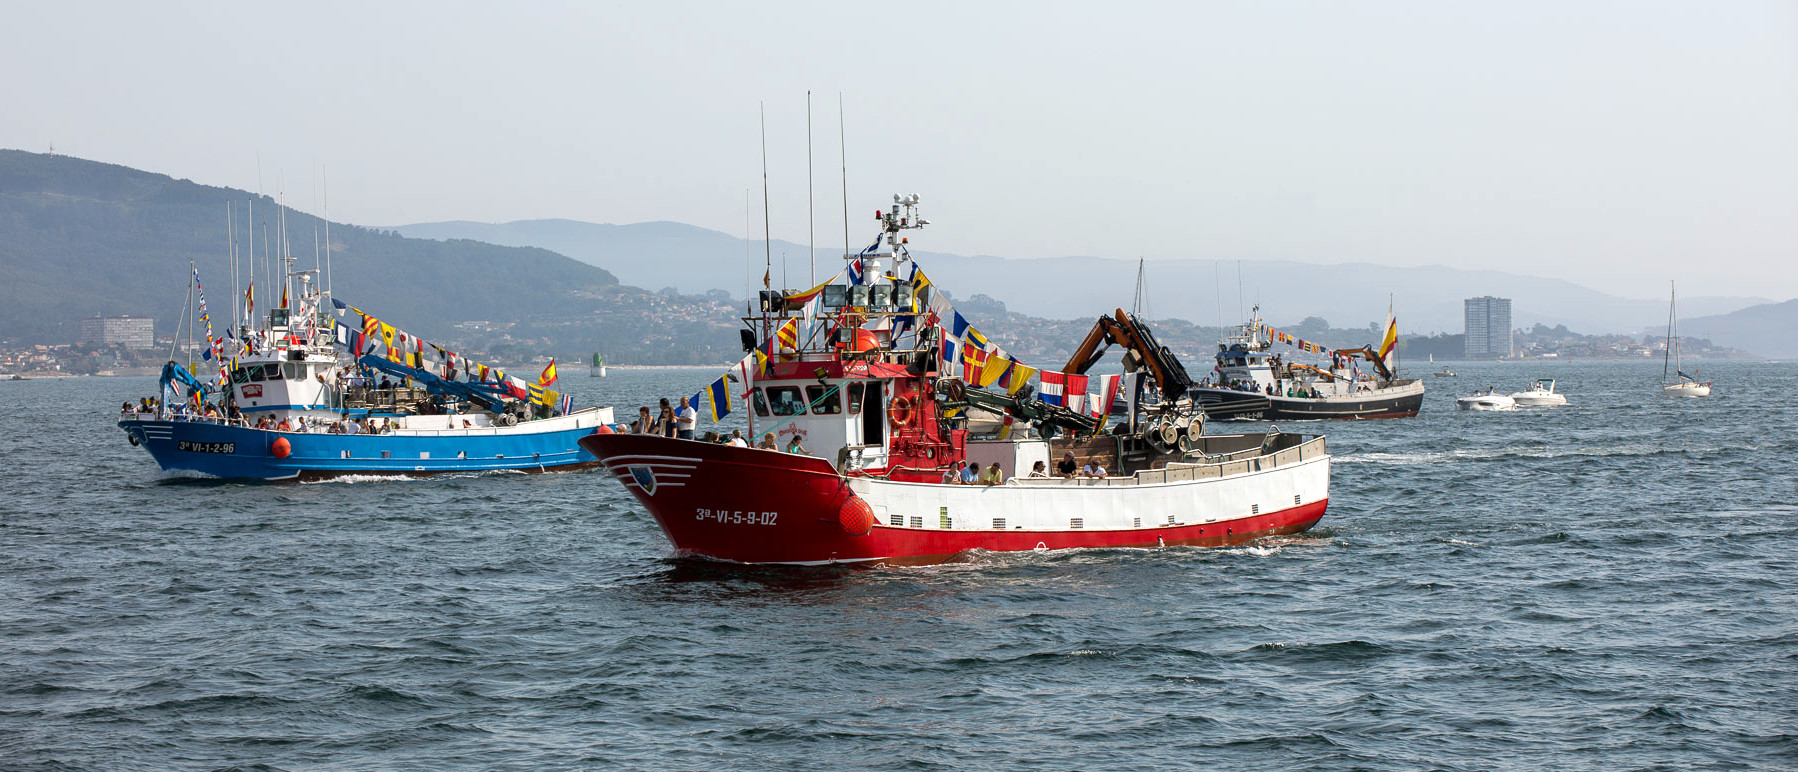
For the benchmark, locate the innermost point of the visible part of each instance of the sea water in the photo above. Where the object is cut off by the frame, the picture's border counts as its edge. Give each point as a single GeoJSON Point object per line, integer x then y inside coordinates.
{"type": "Point", "coordinates": [1607, 585]}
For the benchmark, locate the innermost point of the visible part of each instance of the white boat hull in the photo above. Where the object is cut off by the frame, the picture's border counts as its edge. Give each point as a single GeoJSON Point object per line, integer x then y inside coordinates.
{"type": "Point", "coordinates": [1487, 404]}
{"type": "Point", "coordinates": [1686, 390]}
{"type": "Point", "coordinates": [1538, 400]}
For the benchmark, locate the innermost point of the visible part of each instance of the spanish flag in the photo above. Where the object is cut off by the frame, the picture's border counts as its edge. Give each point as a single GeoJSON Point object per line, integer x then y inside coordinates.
{"type": "Point", "coordinates": [1390, 341]}
{"type": "Point", "coordinates": [549, 373]}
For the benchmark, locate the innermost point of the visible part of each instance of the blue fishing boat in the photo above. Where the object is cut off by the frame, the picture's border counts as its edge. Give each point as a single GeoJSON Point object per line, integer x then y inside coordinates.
{"type": "Point", "coordinates": [320, 389]}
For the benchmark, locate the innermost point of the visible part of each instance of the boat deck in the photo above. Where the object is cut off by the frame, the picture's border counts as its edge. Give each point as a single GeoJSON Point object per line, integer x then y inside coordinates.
{"type": "Point", "coordinates": [1268, 452]}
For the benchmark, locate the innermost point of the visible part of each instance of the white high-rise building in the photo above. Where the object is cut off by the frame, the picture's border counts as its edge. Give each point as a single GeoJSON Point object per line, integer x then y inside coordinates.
{"type": "Point", "coordinates": [129, 331]}
{"type": "Point", "coordinates": [1488, 328]}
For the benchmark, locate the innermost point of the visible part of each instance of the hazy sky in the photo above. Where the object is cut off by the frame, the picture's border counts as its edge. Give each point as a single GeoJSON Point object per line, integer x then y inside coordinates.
{"type": "Point", "coordinates": [1613, 144]}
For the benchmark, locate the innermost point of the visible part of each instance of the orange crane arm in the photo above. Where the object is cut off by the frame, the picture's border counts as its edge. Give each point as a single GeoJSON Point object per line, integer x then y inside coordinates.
{"type": "Point", "coordinates": [1141, 349]}
{"type": "Point", "coordinates": [1367, 353]}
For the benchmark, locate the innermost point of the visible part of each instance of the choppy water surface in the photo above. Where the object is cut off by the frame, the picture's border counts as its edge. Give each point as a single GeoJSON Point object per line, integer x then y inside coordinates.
{"type": "Point", "coordinates": [1609, 585]}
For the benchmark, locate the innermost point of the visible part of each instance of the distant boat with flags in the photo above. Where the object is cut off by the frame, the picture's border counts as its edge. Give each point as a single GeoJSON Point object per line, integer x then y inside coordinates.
{"type": "Point", "coordinates": [315, 388]}
{"type": "Point", "coordinates": [1251, 383]}
{"type": "Point", "coordinates": [598, 370]}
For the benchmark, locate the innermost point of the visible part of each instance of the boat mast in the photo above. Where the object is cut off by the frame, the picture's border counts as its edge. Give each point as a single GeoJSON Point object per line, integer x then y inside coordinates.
{"type": "Point", "coordinates": [231, 254]}
{"type": "Point", "coordinates": [843, 157]}
{"type": "Point", "coordinates": [268, 271]}
{"type": "Point", "coordinates": [1667, 354]}
{"type": "Point", "coordinates": [326, 183]}
{"type": "Point", "coordinates": [748, 254]}
{"type": "Point", "coordinates": [767, 235]}
{"type": "Point", "coordinates": [1136, 306]}
{"type": "Point", "coordinates": [811, 227]}
{"type": "Point", "coordinates": [250, 238]}
{"type": "Point", "coordinates": [192, 278]}
{"type": "Point", "coordinates": [1678, 355]}
{"type": "Point", "coordinates": [175, 339]}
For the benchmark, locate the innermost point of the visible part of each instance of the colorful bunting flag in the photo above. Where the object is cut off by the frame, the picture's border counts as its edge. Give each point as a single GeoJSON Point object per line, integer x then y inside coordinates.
{"type": "Point", "coordinates": [1016, 377]}
{"type": "Point", "coordinates": [1054, 387]}
{"type": "Point", "coordinates": [718, 397]}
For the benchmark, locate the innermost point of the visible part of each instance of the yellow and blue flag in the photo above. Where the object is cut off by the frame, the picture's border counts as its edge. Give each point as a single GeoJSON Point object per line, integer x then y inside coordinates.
{"type": "Point", "coordinates": [718, 394]}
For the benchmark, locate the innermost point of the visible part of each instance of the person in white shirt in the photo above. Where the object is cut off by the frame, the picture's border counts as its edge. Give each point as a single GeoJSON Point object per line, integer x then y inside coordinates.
{"type": "Point", "coordinates": [684, 420]}
{"type": "Point", "coordinates": [1092, 469]}
{"type": "Point", "coordinates": [736, 439]}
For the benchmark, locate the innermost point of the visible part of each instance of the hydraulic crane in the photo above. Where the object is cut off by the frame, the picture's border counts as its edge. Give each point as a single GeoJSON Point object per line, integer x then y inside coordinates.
{"type": "Point", "coordinates": [1367, 353]}
{"type": "Point", "coordinates": [1049, 419]}
{"type": "Point", "coordinates": [1141, 351]}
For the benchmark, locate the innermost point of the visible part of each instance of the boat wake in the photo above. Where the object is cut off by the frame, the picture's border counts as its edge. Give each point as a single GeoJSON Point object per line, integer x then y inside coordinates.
{"type": "Point", "coordinates": [352, 479]}
{"type": "Point", "coordinates": [1530, 451]}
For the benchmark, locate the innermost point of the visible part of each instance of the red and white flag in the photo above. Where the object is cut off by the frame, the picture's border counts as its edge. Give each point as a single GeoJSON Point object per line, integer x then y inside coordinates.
{"type": "Point", "coordinates": [1076, 392]}
{"type": "Point", "coordinates": [1108, 394]}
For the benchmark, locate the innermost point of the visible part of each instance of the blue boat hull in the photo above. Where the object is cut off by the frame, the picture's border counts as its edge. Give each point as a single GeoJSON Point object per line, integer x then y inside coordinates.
{"type": "Point", "coordinates": [241, 453]}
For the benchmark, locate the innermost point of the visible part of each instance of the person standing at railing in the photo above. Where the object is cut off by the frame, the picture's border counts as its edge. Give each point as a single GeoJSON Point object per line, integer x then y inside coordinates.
{"type": "Point", "coordinates": [685, 419]}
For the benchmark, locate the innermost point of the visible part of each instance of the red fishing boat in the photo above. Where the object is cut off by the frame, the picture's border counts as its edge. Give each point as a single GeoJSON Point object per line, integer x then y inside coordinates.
{"type": "Point", "coordinates": [893, 391]}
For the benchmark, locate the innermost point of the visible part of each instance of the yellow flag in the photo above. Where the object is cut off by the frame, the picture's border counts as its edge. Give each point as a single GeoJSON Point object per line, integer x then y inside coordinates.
{"type": "Point", "coordinates": [1019, 376]}
{"type": "Point", "coordinates": [995, 366]}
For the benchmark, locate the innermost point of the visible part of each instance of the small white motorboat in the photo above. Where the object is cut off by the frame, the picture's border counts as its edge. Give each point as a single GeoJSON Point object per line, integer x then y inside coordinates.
{"type": "Point", "coordinates": [1487, 402]}
{"type": "Point", "coordinates": [1540, 394]}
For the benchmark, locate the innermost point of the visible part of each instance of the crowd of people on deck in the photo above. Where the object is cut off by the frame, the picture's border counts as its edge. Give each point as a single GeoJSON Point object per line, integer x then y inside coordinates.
{"type": "Point", "coordinates": [675, 419]}
{"type": "Point", "coordinates": [970, 473]}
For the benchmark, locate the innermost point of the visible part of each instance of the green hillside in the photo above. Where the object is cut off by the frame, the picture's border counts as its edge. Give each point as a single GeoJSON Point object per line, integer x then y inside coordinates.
{"type": "Point", "coordinates": [79, 238]}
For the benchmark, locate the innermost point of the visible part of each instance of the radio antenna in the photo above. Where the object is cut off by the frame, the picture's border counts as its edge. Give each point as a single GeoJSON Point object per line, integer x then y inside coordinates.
{"type": "Point", "coordinates": [843, 151]}
{"type": "Point", "coordinates": [811, 229]}
{"type": "Point", "coordinates": [767, 237]}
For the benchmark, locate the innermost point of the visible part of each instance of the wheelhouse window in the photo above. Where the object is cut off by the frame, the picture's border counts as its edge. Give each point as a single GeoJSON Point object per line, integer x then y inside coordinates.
{"type": "Point", "coordinates": [824, 400]}
{"type": "Point", "coordinates": [760, 401]}
{"type": "Point", "coordinates": [786, 400]}
{"type": "Point", "coordinates": [240, 375]}
{"type": "Point", "coordinates": [855, 397]}
{"type": "Point", "coordinates": [295, 371]}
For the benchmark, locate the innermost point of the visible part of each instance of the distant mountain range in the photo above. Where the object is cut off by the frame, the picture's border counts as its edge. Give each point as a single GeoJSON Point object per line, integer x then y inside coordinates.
{"type": "Point", "coordinates": [1770, 329]}
{"type": "Point", "coordinates": [1427, 299]}
{"type": "Point", "coordinates": [79, 238]}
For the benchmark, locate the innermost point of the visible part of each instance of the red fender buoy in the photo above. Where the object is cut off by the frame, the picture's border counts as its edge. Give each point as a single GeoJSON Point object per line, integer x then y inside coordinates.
{"type": "Point", "coordinates": [856, 517]}
{"type": "Point", "coordinates": [603, 429]}
{"type": "Point", "coordinates": [280, 448]}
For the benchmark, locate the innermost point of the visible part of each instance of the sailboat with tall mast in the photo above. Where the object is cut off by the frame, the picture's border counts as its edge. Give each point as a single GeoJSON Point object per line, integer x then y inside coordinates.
{"type": "Point", "coordinates": [1686, 386]}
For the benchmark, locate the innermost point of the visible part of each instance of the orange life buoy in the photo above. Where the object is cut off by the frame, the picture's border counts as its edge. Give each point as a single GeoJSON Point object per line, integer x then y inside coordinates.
{"type": "Point", "coordinates": [900, 413]}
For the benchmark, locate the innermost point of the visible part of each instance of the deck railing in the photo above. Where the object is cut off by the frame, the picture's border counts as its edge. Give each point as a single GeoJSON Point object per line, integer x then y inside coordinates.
{"type": "Point", "coordinates": [1223, 465]}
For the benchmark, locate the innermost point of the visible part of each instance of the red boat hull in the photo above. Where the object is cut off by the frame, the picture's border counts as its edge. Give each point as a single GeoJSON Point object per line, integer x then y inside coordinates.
{"type": "Point", "coordinates": [758, 506]}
